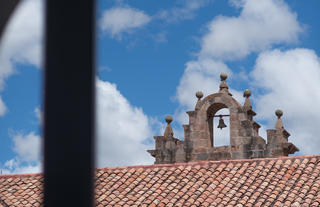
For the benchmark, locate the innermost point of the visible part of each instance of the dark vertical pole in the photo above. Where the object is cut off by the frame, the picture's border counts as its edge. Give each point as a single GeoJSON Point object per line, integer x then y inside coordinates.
{"type": "Point", "coordinates": [6, 9]}
{"type": "Point", "coordinates": [69, 103]}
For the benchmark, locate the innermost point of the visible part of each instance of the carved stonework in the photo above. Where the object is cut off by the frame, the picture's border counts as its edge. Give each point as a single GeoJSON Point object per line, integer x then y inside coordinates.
{"type": "Point", "coordinates": [245, 142]}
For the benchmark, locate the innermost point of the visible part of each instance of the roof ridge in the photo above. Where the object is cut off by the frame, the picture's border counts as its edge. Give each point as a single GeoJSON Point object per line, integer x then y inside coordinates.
{"type": "Point", "coordinates": [208, 161]}
{"type": "Point", "coordinates": [178, 164]}
{"type": "Point", "coordinates": [19, 175]}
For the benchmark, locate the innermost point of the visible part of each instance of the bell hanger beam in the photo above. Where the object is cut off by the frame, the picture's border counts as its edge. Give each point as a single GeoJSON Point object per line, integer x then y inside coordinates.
{"type": "Point", "coordinates": [221, 115]}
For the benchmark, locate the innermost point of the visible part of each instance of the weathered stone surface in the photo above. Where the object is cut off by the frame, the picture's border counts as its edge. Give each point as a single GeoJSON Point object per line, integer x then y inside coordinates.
{"type": "Point", "coordinates": [245, 142]}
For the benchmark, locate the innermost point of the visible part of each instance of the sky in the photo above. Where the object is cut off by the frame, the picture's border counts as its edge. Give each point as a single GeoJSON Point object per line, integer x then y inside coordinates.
{"type": "Point", "coordinates": [152, 57]}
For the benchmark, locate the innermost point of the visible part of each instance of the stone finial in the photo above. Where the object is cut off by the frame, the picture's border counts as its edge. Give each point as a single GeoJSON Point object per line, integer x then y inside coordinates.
{"type": "Point", "coordinates": [168, 131]}
{"type": "Point", "coordinates": [223, 85]}
{"type": "Point", "coordinates": [278, 113]}
{"type": "Point", "coordinates": [279, 124]}
{"type": "Point", "coordinates": [247, 104]}
{"type": "Point", "coordinates": [199, 95]}
{"type": "Point", "coordinates": [247, 93]}
{"type": "Point", "coordinates": [223, 76]}
{"type": "Point", "coordinates": [168, 119]}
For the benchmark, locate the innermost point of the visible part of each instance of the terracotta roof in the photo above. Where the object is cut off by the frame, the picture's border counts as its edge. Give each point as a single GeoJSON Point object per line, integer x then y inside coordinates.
{"type": "Point", "coordinates": [287, 181]}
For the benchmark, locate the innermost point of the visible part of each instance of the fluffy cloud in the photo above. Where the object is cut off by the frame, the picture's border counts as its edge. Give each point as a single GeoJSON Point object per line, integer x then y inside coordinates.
{"type": "Point", "coordinates": [260, 25]}
{"type": "Point", "coordinates": [186, 11]}
{"type": "Point", "coordinates": [39, 115]}
{"type": "Point", "coordinates": [201, 75]}
{"type": "Point", "coordinates": [27, 146]}
{"type": "Point", "coordinates": [3, 107]}
{"type": "Point", "coordinates": [28, 154]}
{"type": "Point", "coordinates": [14, 166]}
{"type": "Point", "coordinates": [290, 81]}
{"type": "Point", "coordinates": [125, 19]}
{"type": "Point", "coordinates": [118, 20]}
{"type": "Point", "coordinates": [123, 135]}
{"type": "Point", "coordinates": [21, 41]}
{"type": "Point", "coordinates": [122, 129]}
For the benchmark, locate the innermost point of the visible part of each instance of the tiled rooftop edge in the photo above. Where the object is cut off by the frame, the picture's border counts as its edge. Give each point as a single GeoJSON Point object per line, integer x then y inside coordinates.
{"type": "Point", "coordinates": [209, 161]}
{"type": "Point", "coordinates": [177, 164]}
{"type": "Point", "coordinates": [19, 175]}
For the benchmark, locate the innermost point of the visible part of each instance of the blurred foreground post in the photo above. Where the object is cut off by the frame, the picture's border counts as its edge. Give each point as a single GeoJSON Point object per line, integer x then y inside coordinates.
{"type": "Point", "coordinates": [69, 103]}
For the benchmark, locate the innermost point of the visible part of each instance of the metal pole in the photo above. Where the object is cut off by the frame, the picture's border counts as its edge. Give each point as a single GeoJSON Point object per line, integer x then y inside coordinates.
{"type": "Point", "coordinates": [69, 103]}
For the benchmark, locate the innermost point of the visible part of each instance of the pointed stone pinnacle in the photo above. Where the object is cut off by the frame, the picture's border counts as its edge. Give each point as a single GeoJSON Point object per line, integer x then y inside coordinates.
{"type": "Point", "coordinates": [223, 85]}
{"type": "Point", "coordinates": [168, 131]}
{"type": "Point", "coordinates": [279, 124]}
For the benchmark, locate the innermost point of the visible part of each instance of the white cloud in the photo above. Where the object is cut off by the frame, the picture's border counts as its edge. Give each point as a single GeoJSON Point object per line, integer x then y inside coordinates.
{"type": "Point", "coordinates": [3, 107]}
{"type": "Point", "coordinates": [21, 41]}
{"type": "Point", "coordinates": [186, 11]}
{"type": "Point", "coordinates": [15, 166]}
{"type": "Point", "coordinates": [123, 135]}
{"type": "Point", "coordinates": [27, 146]}
{"type": "Point", "coordinates": [291, 81]}
{"type": "Point", "coordinates": [124, 19]}
{"type": "Point", "coordinates": [260, 25]}
{"type": "Point", "coordinates": [122, 129]}
{"type": "Point", "coordinates": [118, 20]}
{"type": "Point", "coordinates": [39, 115]}
{"type": "Point", "coordinates": [200, 75]}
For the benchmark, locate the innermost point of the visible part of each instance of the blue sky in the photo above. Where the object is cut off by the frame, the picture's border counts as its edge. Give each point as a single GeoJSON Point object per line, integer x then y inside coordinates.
{"type": "Point", "coordinates": [152, 56]}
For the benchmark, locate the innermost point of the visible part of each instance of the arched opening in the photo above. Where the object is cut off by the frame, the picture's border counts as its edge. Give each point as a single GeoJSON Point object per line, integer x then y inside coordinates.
{"type": "Point", "coordinates": [218, 137]}
{"type": "Point", "coordinates": [221, 136]}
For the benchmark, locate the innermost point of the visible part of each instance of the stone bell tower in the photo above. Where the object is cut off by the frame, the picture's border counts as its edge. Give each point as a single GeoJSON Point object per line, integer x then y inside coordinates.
{"type": "Point", "coordinates": [245, 142]}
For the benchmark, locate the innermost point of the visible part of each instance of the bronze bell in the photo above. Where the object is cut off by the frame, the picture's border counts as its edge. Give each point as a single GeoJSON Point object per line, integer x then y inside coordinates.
{"type": "Point", "coordinates": [221, 123]}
